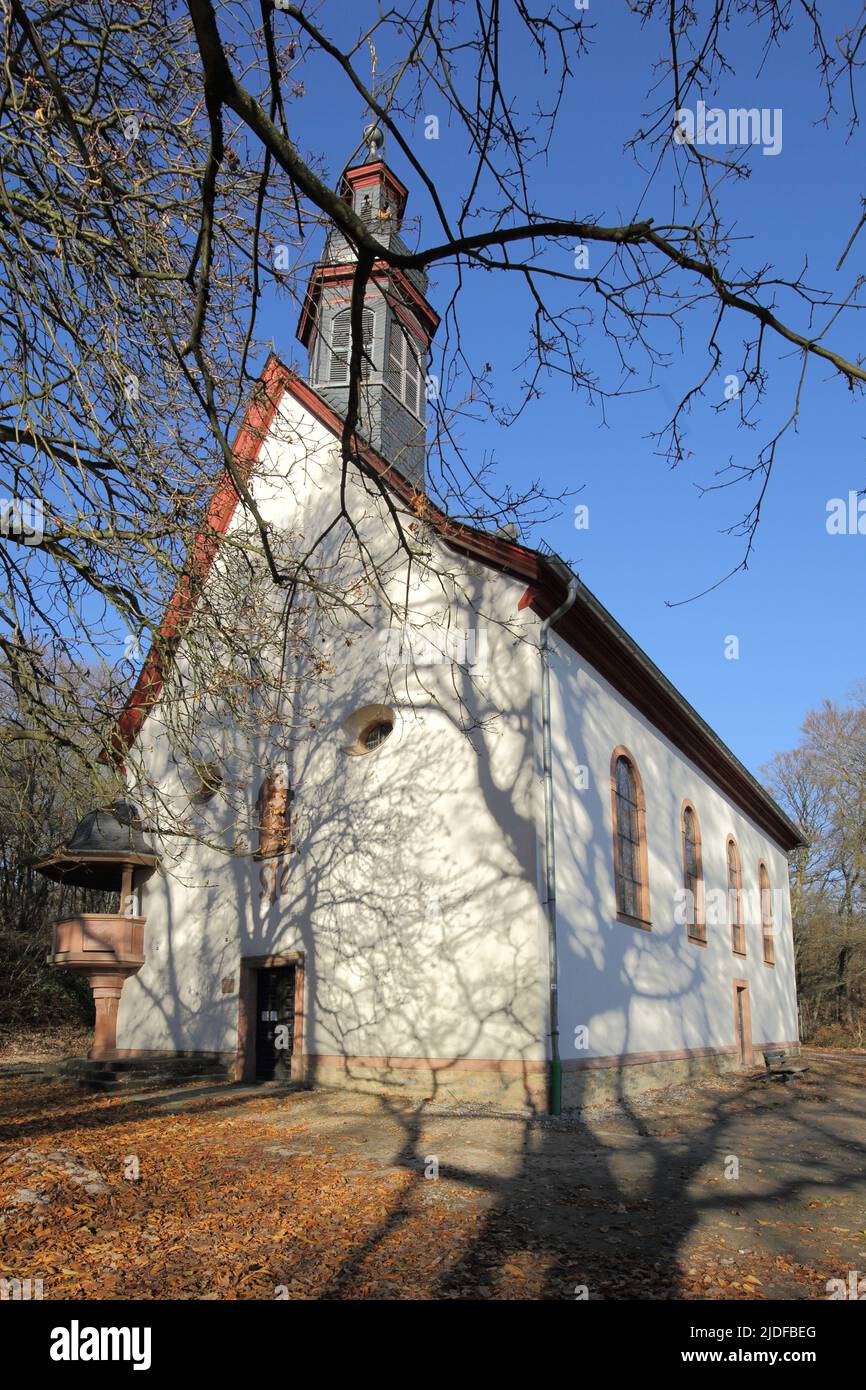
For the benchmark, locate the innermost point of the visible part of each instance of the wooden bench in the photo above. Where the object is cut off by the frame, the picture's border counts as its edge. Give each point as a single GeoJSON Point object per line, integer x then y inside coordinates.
{"type": "Point", "coordinates": [777, 1065]}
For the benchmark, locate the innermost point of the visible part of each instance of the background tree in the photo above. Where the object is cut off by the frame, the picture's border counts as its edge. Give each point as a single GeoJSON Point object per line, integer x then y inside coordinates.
{"type": "Point", "coordinates": [154, 161]}
{"type": "Point", "coordinates": [38, 807]}
{"type": "Point", "coordinates": [822, 783]}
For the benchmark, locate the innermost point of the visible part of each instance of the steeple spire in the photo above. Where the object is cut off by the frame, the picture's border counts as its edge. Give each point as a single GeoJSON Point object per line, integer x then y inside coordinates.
{"type": "Point", "coordinates": [374, 136]}
{"type": "Point", "coordinates": [398, 321]}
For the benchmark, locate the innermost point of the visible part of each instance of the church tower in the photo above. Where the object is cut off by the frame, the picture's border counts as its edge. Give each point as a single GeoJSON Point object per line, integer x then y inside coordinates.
{"type": "Point", "coordinates": [398, 322]}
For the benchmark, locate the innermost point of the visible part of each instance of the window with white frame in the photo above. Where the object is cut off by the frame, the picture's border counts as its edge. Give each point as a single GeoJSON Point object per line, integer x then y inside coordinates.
{"type": "Point", "coordinates": [341, 340]}
{"type": "Point", "coordinates": [405, 367]}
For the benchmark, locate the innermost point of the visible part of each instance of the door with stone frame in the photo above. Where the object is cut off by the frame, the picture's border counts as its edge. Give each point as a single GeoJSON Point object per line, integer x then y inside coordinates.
{"type": "Point", "coordinates": [271, 1018]}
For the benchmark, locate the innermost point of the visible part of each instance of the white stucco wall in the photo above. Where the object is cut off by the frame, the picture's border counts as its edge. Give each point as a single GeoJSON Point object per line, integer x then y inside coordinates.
{"type": "Point", "coordinates": [417, 893]}
{"type": "Point", "coordinates": [651, 991]}
{"type": "Point", "coordinates": [414, 895]}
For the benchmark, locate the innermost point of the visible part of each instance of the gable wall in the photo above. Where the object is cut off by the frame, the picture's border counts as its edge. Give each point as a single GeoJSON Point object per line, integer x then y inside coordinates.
{"type": "Point", "coordinates": [414, 895]}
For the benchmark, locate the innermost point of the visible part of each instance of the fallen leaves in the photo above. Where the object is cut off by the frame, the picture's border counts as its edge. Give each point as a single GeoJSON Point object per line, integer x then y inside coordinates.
{"type": "Point", "coordinates": [217, 1212]}
{"type": "Point", "coordinates": [250, 1195]}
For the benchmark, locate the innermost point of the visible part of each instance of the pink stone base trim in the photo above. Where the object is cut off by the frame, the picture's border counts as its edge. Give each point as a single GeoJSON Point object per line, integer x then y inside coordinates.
{"type": "Point", "coordinates": [506, 1083]}
{"type": "Point", "coordinates": [635, 1059]}
{"type": "Point", "coordinates": [513, 1066]}
{"type": "Point", "coordinates": [645, 1059]}
{"type": "Point", "coordinates": [131, 1053]}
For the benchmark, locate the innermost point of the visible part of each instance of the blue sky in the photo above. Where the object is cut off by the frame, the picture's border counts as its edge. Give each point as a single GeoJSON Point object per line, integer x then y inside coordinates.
{"type": "Point", "coordinates": [653, 539]}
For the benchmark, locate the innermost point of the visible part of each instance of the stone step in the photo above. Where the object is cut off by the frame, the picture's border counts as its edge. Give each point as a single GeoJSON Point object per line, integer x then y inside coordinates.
{"type": "Point", "coordinates": [146, 1083]}
{"type": "Point", "coordinates": [205, 1062]}
{"type": "Point", "coordinates": [122, 1073]}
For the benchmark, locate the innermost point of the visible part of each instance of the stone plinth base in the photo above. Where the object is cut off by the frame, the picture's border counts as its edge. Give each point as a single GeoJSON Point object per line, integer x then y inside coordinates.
{"type": "Point", "coordinates": [508, 1085]}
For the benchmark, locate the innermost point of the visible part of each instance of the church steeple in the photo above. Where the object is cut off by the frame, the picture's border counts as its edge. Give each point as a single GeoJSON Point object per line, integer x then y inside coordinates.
{"type": "Point", "coordinates": [398, 321]}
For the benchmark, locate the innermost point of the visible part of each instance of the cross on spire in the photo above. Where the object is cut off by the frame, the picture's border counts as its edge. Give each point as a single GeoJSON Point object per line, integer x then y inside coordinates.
{"type": "Point", "coordinates": [374, 136]}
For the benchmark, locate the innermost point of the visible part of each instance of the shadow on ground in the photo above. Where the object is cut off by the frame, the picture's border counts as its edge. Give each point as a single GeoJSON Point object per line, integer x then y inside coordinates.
{"type": "Point", "coordinates": [736, 1188]}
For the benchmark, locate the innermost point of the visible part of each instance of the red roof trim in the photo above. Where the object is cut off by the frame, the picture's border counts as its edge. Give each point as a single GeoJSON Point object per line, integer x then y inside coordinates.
{"type": "Point", "coordinates": [258, 418]}
{"type": "Point", "coordinates": [527, 599]}
{"type": "Point", "coordinates": [586, 628]}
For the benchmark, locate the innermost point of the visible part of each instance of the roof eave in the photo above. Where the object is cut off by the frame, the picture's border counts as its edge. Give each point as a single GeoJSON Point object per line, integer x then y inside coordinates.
{"type": "Point", "coordinates": [547, 589]}
{"type": "Point", "coordinates": [587, 627]}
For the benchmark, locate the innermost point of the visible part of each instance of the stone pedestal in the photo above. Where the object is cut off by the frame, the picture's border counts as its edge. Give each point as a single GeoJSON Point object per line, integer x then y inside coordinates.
{"type": "Point", "coordinates": [107, 988]}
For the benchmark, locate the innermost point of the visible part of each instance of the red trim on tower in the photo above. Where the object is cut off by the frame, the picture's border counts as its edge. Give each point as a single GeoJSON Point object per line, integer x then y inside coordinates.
{"type": "Point", "coordinates": [376, 172]}
{"type": "Point", "coordinates": [346, 271]}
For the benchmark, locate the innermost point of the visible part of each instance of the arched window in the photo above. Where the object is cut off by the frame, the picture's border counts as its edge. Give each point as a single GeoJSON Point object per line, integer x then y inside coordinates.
{"type": "Point", "coordinates": [341, 340]}
{"type": "Point", "coordinates": [405, 373]}
{"type": "Point", "coordinates": [693, 873]}
{"type": "Point", "coordinates": [767, 924]}
{"type": "Point", "coordinates": [735, 898]}
{"type": "Point", "coordinates": [629, 841]}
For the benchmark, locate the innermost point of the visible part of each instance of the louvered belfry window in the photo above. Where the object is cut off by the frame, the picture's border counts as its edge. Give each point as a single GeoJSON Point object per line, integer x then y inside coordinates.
{"type": "Point", "coordinates": [404, 367]}
{"type": "Point", "coordinates": [341, 336]}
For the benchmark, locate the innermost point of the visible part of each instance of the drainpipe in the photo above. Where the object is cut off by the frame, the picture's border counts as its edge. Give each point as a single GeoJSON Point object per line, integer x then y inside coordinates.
{"type": "Point", "coordinates": [555, 1093]}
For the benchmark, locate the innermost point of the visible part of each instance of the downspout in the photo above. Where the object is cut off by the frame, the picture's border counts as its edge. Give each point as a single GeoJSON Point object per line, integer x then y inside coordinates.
{"type": "Point", "coordinates": [555, 1092]}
